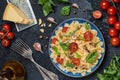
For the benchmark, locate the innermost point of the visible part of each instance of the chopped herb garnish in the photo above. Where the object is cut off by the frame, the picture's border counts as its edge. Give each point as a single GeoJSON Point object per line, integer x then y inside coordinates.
{"type": "Point", "coordinates": [77, 55]}
{"type": "Point", "coordinates": [81, 38]}
{"type": "Point", "coordinates": [91, 57]}
{"type": "Point", "coordinates": [56, 50]}
{"type": "Point", "coordinates": [68, 64]}
{"type": "Point", "coordinates": [64, 46]}
{"type": "Point", "coordinates": [87, 26]}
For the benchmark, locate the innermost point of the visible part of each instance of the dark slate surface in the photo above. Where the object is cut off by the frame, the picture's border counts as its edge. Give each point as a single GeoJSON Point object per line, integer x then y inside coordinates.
{"type": "Point", "coordinates": [32, 34]}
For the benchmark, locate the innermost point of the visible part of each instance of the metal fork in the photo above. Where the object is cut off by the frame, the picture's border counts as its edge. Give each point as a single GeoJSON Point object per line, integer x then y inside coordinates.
{"type": "Point", "coordinates": [19, 46]}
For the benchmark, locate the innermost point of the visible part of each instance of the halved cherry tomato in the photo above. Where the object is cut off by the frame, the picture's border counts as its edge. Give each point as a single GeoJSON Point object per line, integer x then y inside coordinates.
{"type": "Point", "coordinates": [112, 11]}
{"type": "Point", "coordinates": [73, 47]}
{"type": "Point", "coordinates": [116, 1]}
{"type": "Point", "coordinates": [97, 14]}
{"type": "Point", "coordinates": [64, 29]}
{"type": "Point", "coordinates": [1, 34]}
{"type": "Point", "coordinates": [88, 36]}
{"type": "Point", "coordinates": [113, 32]}
{"type": "Point", "coordinates": [115, 41]}
{"type": "Point", "coordinates": [104, 4]}
{"type": "Point", "coordinates": [54, 40]}
{"type": "Point", "coordinates": [111, 20]}
{"type": "Point", "coordinates": [5, 42]}
{"type": "Point", "coordinates": [6, 27]}
{"type": "Point", "coordinates": [75, 61]}
{"type": "Point", "coordinates": [10, 35]}
{"type": "Point", "coordinates": [59, 60]}
{"type": "Point", "coordinates": [117, 25]}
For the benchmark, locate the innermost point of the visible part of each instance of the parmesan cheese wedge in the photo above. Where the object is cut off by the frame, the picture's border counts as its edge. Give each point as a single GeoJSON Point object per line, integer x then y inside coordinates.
{"type": "Point", "coordinates": [14, 14]}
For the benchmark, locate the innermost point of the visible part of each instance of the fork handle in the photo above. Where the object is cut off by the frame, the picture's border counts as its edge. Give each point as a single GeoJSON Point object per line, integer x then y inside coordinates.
{"type": "Point", "coordinates": [50, 74]}
{"type": "Point", "coordinates": [45, 77]}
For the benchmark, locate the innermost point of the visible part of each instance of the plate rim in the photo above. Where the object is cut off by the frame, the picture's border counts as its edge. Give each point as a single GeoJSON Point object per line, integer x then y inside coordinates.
{"type": "Point", "coordinates": [98, 30]}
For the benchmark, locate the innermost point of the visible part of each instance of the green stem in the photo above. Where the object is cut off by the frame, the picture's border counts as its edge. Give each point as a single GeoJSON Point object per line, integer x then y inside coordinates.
{"type": "Point", "coordinates": [117, 12]}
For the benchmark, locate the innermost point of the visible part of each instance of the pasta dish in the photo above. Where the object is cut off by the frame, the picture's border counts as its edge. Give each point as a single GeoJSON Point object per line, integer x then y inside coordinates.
{"type": "Point", "coordinates": [76, 47]}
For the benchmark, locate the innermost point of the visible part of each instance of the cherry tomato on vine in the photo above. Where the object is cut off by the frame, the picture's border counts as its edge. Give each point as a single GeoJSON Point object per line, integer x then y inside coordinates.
{"type": "Point", "coordinates": [5, 42]}
{"type": "Point", "coordinates": [6, 27]}
{"type": "Point", "coordinates": [1, 34]}
{"type": "Point", "coordinates": [113, 32]}
{"type": "Point", "coordinates": [111, 20]}
{"type": "Point", "coordinates": [116, 1]}
{"type": "Point", "coordinates": [10, 35]}
{"type": "Point", "coordinates": [104, 4]}
{"type": "Point", "coordinates": [115, 41]}
{"type": "Point", "coordinates": [117, 25]}
{"type": "Point", "coordinates": [112, 11]}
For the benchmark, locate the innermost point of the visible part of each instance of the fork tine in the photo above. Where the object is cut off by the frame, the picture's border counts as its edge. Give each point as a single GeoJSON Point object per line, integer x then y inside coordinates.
{"type": "Point", "coordinates": [16, 48]}
{"type": "Point", "coordinates": [23, 44]}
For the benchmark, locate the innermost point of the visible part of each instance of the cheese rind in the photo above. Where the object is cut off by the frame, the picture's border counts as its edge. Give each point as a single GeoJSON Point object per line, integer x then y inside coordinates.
{"type": "Point", "coordinates": [14, 14]}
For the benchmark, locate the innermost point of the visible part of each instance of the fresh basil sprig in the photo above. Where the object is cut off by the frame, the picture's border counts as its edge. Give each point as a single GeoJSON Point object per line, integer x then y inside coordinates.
{"type": "Point", "coordinates": [48, 5]}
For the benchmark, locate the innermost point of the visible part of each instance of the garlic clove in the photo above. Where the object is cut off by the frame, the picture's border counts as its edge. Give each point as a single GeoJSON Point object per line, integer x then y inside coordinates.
{"type": "Point", "coordinates": [51, 20]}
{"type": "Point", "coordinates": [75, 5]}
{"type": "Point", "coordinates": [37, 47]}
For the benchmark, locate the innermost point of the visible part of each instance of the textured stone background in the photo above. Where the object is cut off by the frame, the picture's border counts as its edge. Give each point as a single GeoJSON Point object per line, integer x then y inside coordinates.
{"type": "Point", "coordinates": [32, 34]}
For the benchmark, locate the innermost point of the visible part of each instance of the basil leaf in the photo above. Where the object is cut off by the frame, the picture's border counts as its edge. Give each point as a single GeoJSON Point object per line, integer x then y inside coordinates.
{"type": "Point", "coordinates": [56, 50]}
{"type": "Point", "coordinates": [64, 46]}
{"type": "Point", "coordinates": [77, 55]}
{"type": "Point", "coordinates": [63, 1]}
{"type": "Point", "coordinates": [41, 2]}
{"type": "Point", "coordinates": [65, 11]}
{"type": "Point", "coordinates": [81, 38]}
{"type": "Point", "coordinates": [87, 26]}
{"type": "Point", "coordinates": [47, 8]}
{"type": "Point", "coordinates": [51, 1]}
{"type": "Point", "coordinates": [70, 65]}
{"type": "Point", "coordinates": [91, 57]}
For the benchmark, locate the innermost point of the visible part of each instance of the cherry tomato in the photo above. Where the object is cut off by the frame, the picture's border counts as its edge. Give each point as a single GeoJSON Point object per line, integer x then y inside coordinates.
{"type": "Point", "coordinates": [97, 14]}
{"type": "Point", "coordinates": [64, 29]}
{"type": "Point", "coordinates": [116, 1]}
{"type": "Point", "coordinates": [59, 60]}
{"type": "Point", "coordinates": [113, 32]}
{"type": "Point", "coordinates": [1, 34]}
{"type": "Point", "coordinates": [112, 11]}
{"type": "Point", "coordinates": [115, 41]}
{"type": "Point", "coordinates": [104, 5]}
{"type": "Point", "coordinates": [111, 20]}
{"type": "Point", "coordinates": [5, 42]}
{"type": "Point", "coordinates": [73, 47]}
{"type": "Point", "coordinates": [6, 27]}
{"type": "Point", "coordinates": [117, 25]}
{"type": "Point", "coordinates": [75, 61]}
{"type": "Point", "coordinates": [88, 36]}
{"type": "Point", "coordinates": [54, 40]}
{"type": "Point", "coordinates": [10, 35]}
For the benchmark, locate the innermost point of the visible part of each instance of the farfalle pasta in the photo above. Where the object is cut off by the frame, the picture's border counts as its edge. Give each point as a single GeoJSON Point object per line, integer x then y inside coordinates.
{"type": "Point", "coordinates": [76, 47]}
